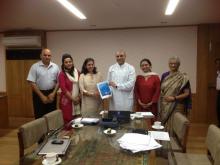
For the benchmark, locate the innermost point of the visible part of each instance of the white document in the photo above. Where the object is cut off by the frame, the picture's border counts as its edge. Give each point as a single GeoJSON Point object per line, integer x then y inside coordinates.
{"type": "Point", "coordinates": [77, 120]}
{"type": "Point", "coordinates": [103, 112]}
{"type": "Point", "coordinates": [137, 142]}
{"type": "Point", "coordinates": [86, 120]}
{"type": "Point", "coordinates": [142, 115]}
{"type": "Point", "coordinates": [147, 114]}
{"type": "Point", "coordinates": [160, 135]}
{"type": "Point", "coordinates": [90, 120]}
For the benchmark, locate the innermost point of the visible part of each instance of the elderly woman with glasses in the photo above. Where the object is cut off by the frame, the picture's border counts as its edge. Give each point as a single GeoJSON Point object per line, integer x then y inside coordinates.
{"type": "Point", "coordinates": [175, 92]}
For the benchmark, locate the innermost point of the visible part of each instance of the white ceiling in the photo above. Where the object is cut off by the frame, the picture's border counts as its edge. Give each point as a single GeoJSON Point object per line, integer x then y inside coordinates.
{"type": "Point", "coordinates": [50, 15]}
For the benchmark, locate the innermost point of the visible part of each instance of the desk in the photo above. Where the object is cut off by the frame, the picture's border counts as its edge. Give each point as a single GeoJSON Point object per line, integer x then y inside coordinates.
{"type": "Point", "coordinates": [90, 146]}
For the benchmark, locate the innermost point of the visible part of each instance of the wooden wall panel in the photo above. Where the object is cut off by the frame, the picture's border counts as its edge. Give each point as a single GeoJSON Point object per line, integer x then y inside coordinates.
{"type": "Point", "coordinates": [202, 83]}
{"type": "Point", "coordinates": [214, 52]}
{"type": "Point", "coordinates": [208, 44]}
{"type": "Point", "coordinates": [3, 110]}
{"type": "Point", "coordinates": [193, 111]}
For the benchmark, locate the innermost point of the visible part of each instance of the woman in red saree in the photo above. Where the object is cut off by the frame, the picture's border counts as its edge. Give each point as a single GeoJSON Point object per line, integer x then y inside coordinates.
{"type": "Point", "coordinates": [147, 89]}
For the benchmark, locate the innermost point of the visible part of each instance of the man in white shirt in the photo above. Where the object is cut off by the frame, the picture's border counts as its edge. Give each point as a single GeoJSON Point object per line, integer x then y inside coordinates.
{"type": "Point", "coordinates": [121, 77]}
{"type": "Point", "coordinates": [43, 80]}
{"type": "Point", "coordinates": [217, 63]}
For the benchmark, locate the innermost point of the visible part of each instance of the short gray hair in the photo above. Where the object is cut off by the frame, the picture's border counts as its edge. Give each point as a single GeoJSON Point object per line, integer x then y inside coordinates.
{"type": "Point", "coordinates": [176, 59]}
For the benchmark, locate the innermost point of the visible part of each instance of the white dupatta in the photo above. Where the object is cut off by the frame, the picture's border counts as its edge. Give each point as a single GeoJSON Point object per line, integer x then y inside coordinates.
{"type": "Point", "coordinates": [75, 91]}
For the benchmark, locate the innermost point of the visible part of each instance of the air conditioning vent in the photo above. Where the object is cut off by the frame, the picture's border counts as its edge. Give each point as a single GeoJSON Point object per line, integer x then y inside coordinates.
{"type": "Point", "coordinates": [22, 41]}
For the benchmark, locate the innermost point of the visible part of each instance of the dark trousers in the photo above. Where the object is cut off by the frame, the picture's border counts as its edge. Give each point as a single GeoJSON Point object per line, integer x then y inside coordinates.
{"type": "Point", "coordinates": [218, 107]}
{"type": "Point", "coordinates": [40, 109]}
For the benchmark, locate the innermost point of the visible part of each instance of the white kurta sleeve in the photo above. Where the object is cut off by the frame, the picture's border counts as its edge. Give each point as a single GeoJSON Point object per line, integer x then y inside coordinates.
{"type": "Point", "coordinates": [129, 84]}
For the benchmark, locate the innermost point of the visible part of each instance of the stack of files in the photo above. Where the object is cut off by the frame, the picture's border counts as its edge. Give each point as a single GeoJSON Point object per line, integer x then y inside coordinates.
{"type": "Point", "coordinates": [136, 142]}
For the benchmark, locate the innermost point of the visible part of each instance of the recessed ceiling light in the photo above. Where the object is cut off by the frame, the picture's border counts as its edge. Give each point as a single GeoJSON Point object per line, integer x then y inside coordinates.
{"type": "Point", "coordinates": [72, 8]}
{"type": "Point", "coordinates": [171, 6]}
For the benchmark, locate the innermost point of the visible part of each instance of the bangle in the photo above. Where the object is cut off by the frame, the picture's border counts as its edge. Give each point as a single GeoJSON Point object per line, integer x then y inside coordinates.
{"type": "Point", "coordinates": [175, 98]}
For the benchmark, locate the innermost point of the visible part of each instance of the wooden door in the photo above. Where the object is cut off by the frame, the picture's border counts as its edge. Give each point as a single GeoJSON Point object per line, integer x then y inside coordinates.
{"type": "Point", "coordinates": [18, 63]}
{"type": "Point", "coordinates": [214, 52]}
{"type": "Point", "coordinates": [208, 49]}
{"type": "Point", "coordinates": [19, 91]}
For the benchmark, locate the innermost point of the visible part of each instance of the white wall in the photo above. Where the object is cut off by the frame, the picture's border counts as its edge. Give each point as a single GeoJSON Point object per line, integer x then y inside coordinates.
{"type": "Point", "coordinates": [157, 44]}
{"type": "Point", "coordinates": [2, 67]}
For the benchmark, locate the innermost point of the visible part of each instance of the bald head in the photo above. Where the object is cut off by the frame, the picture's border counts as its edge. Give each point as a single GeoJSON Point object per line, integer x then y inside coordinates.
{"type": "Point", "coordinates": [46, 56]}
{"type": "Point", "coordinates": [120, 57]}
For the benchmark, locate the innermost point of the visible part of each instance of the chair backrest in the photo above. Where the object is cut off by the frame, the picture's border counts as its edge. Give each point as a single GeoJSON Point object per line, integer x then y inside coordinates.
{"type": "Point", "coordinates": [30, 133]}
{"type": "Point", "coordinates": [213, 141]}
{"type": "Point", "coordinates": [181, 128]}
{"type": "Point", "coordinates": [54, 120]}
{"type": "Point", "coordinates": [217, 155]}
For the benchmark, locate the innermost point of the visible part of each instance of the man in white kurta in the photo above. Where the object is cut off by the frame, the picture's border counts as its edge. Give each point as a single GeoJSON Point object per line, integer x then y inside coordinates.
{"type": "Point", "coordinates": [121, 77]}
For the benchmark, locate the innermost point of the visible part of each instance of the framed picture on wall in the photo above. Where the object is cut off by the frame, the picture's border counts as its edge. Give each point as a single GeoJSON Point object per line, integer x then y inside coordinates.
{"type": "Point", "coordinates": [104, 89]}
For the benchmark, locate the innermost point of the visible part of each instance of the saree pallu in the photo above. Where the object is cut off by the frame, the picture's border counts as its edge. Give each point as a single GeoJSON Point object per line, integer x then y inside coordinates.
{"type": "Point", "coordinates": [173, 84]}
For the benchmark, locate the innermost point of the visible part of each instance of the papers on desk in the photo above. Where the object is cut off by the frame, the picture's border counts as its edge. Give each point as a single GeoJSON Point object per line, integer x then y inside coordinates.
{"type": "Point", "coordinates": [103, 112]}
{"type": "Point", "coordinates": [86, 120]}
{"type": "Point", "coordinates": [160, 135]}
{"type": "Point", "coordinates": [147, 114]}
{"type": "Point", "coordinates": [137, 142]}
{"type": "Point", "coordinates": [90, 120]}
{"type": "Point", "coordinates": [142, 114]}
